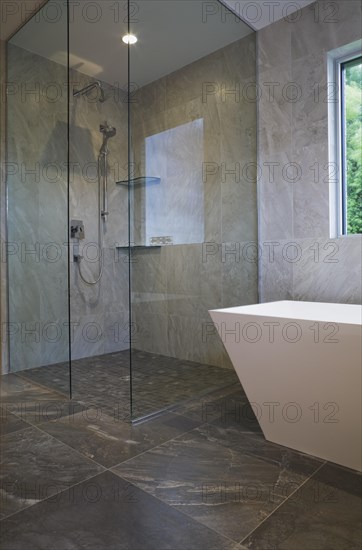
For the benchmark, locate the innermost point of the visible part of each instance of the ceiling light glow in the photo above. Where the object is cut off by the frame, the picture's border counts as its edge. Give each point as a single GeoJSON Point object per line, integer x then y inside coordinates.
{"type": "Point", "coordinates": [129, 39]}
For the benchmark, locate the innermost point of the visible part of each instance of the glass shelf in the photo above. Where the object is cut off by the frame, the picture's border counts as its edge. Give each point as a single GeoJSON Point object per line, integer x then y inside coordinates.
{"type": "Point", "coordinates": [140, 181]}
{"type": "Point", "coordinates": [138, 246]}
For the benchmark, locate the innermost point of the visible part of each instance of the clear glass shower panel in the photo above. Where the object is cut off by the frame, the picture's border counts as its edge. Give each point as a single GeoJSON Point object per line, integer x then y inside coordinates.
{"type": "Point", "coordinates": [37, 185]}
{"type": "Point", "coordinates": [192, 194]}
{"type": "Point", "coordinates": [98, 207]}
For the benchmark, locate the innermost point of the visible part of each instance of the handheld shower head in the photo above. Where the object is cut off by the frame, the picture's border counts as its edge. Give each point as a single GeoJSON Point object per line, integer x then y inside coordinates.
{"type": "Point", "coordinates": [108, 132]}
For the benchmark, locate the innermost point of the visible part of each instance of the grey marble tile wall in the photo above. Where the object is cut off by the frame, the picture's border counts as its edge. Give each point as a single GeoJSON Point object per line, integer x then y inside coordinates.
{"type": "Point", "coordinates": [173, 287]}
{"type": "Point", "coordinates": [37, 209]}
{"type": "Point", "coordinates": [38, 282]}
{"type": "Point", "coordinates": [305, 264]}
{"type": "Point", "coordinates": [4, 358]}
{"type": "Point", "coordinates": [100, 311]}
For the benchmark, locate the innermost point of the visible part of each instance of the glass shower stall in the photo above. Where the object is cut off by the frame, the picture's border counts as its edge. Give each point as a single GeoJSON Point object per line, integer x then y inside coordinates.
{"type": "Point", "coordinates": [132, 198]}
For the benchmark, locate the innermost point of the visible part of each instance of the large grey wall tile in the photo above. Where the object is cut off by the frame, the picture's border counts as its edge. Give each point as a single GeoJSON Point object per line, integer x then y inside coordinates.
{"type": "Point", "coordinates": [271, 52]}
{"type": "Point", "coordinates": [324, 26]}
{"type": "Point", "coordinates": [329, 270]}
{"type": "Point", "coordinates": [276, 282]}
{"type": "Point", "coordinates": [299, 212]}
{"type": "Point", "coordinates": [311, 192]}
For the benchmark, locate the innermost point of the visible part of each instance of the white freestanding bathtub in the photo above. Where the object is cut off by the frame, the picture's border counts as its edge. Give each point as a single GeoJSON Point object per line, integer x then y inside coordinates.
{"type": "Point", "coordinates": [300, 366]}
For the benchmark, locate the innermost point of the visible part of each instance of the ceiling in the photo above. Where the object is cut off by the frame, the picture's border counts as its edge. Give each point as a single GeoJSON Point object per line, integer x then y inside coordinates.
{"type": "Point", "coordinates": [171, 33]}
{"type": "Point", "coordinates": [260, 13]}
{"type": "Point", "coordinates": [257, 14]}
{"type": "Point", "coordinates": [14, 13]}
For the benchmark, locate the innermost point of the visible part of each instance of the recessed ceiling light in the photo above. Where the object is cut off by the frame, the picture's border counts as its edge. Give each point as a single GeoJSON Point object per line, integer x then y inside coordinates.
{"type": "Point", "coordinates": [129, 39]}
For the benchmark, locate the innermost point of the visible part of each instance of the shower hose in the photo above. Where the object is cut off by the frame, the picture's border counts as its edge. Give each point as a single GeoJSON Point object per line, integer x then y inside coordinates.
{"type": "Point", "coordinates": [100, 233]}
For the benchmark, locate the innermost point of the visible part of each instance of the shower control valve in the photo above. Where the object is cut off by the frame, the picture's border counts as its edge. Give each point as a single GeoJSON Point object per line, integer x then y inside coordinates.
{"type": "Point", "coordinates": [77, 258]}
{"type": "Point", "coordinates": [77, 229]}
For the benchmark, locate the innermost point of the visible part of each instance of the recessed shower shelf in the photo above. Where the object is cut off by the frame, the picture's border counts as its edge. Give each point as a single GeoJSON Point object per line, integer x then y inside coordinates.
{"type": "Point", "coordinates": [140, 181]}
{"type": "Point", "coordinates": [139, 246]}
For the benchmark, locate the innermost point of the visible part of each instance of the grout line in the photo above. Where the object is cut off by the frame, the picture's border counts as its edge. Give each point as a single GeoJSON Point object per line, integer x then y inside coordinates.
{"type": "Point", "coordinates": [155, 447]}
{"type": "Point", "coordinates": [283, 502]}
{"type": "Point", "coordinates": [173, 507]}
{"type": "Point", "coordinates": [24, 378]}
{"type": "Point", "coordinates": [111, 470]}
{"type": "Point", "coordinates": [39, 428]}
{"type": "Point", "coordinates": [16, 431]}
{"type": "Point", "coordinates": [70, 486]}
{"type": "Point", "coordinates": [50, 497]}
{"type": "Point", "coordinates": [31, 424]}
{"type": "Point", "coordinates": [65, 444]}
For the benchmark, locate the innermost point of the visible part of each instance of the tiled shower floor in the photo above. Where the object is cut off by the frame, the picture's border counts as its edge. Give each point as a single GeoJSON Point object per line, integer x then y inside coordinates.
{"type": "Point", "coordinates": [157, 381]}
{"type": "Point", "coordinates": [201, 477]}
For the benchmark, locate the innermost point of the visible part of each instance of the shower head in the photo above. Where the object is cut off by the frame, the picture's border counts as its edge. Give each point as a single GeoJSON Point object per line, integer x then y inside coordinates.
{"type": "Point", "coordinates": [84, 91]}
{"type": "Point", "coordinates": [108, 132]}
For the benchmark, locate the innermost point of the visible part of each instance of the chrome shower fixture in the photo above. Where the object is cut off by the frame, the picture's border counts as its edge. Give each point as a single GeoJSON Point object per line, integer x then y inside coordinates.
{"type": "Point", "coordinates": [84, 91]}
{"type": "Point", "coordinates": [108, 132]}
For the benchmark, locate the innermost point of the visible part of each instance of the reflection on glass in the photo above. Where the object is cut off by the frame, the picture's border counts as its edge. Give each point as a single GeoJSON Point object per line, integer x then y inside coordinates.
{"type": "Point", "coordinates": [192, 129]}
{"type": "Point", "coordinates": [37, 137]}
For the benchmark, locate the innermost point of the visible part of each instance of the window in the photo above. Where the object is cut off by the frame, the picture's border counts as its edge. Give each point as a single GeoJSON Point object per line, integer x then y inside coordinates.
{"type": "Point", "coordinates": [345, 124]}
{"type": "Point", "coordinates": [351, 138]}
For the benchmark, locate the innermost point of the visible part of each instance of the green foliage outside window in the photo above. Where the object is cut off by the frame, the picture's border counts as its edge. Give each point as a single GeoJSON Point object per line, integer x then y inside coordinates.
{"type": "Point", "coordinates": [353, 129]}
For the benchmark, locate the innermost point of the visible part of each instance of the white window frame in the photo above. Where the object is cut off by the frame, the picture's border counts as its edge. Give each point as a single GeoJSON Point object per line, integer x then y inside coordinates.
{"type": "Point", "coordinates": [335, 60]}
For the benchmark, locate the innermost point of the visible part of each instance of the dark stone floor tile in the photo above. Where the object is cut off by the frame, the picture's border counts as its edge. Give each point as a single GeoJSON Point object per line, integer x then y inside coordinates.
{"type": "Point", "coordinates": [224, 486]}
{"type": "Point", "coordinates": [36, 466]}
{"type": "Point", "coordinates": [346, 480]}
{"type": "Point", "coordinates": [36, 404]}
{"type": "Point", "coordinates": [15, 389]}
{"type": "Point", "coordinates": [43, 411]}
{"type": "Point", "coordinates": [9, 422]}
{"type": "Point", "coordinates": [107, 513]}
{"type": "Point", "coordinates": [55, 377]}
{"type": "Point", "coordinates": [117, 409]}
{"type": "Point", "coordinates": [84, 370]}
{"type": "Point", "coordinates": [255, 444]}
{"type": "Point", "coordinates": [228, 409]}
{"type": "Point", "coordinates": [158, 381]}
{"type": "Point", "coordinates": [109, 441]}
{"type": "Point", "coordinates": [324, 514]}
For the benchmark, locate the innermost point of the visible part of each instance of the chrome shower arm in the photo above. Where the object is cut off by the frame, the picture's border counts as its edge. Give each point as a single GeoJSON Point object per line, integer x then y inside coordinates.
{"type": "Point", "coordinates": [83, 91]}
